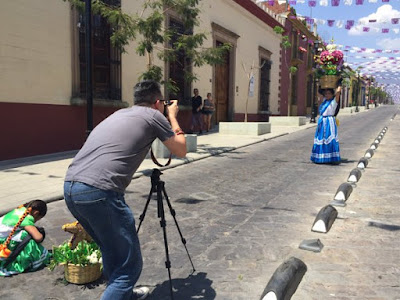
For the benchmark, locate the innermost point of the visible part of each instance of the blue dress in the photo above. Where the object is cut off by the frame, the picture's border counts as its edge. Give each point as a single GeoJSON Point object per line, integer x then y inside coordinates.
{"type": "Point", "coordinates": [326, 143]}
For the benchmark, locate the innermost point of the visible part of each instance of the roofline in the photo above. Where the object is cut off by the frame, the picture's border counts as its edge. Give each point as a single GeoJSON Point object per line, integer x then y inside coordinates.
{"type": "Point", "coordinates": [258, 12]}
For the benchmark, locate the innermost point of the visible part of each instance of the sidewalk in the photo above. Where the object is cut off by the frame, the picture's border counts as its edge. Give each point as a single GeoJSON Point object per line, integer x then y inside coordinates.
{"type": "Point", "coordinates": [42, 177]}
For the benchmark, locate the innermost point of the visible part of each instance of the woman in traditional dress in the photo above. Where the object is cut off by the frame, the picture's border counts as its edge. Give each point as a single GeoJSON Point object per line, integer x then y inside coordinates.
{"type": "Point", "coordinates": [326, 142]}
{"type": "Point", "coordinates": [20, 248]}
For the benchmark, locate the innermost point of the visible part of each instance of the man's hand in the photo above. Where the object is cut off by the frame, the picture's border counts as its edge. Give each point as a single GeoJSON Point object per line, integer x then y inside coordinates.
{"type": "Point", "coordinates": [173, 109]}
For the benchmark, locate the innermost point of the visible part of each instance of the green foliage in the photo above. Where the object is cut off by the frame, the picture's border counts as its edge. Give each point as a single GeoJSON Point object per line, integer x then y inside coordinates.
{"type": "Point", "coordinates": [292, 70]}
{"type": "Point", "coordinates": [153, 73]}
{"type": "Point", "coordinates": [285, 39]}
{"type": "Point", "coordinates": [279, 30]}
{"type": "Point", "coordinates": [78, 256]}
{"type": "Point", "coordinates": [285, 42]}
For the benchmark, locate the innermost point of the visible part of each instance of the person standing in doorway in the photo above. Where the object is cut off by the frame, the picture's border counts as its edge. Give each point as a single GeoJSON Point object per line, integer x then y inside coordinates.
{"type": "Point", "coordinates": [197, 102]}
{"type": "Point", "coordinates": [207, 111]}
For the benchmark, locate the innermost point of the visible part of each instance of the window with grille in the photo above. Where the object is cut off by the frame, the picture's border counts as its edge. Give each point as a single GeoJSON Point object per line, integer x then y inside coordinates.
{"type": "Point", "coordinates": [177, 67]}
{"type": "Point", "coordinates": [106, 60]}
{"type": "Point", "coordinates": [294, 89]}
{"type": "Point", "coordinates": [265, 80]}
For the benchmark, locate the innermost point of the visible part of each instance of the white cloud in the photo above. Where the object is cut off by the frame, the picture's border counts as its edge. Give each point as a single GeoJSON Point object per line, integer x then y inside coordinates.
{"type": "Point", "coordinates": [389, 44]}
{"type": "Point", "coordinates": [383, 16]}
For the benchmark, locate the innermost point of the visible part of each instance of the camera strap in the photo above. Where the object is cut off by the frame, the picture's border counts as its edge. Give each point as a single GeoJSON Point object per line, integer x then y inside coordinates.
{"type": "Point", "coordinates": [154, 159]}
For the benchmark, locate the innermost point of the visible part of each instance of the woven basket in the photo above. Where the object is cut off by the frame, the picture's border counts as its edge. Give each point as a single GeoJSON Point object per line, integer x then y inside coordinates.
{"type": "Point", "coordinates": [328, 81]}
{"type": "Point", "coordinates": [82, 274]}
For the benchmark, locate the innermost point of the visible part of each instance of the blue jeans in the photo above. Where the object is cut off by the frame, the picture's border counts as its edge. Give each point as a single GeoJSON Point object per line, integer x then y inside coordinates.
{"type": "Point", "coordinates": [107, 218]}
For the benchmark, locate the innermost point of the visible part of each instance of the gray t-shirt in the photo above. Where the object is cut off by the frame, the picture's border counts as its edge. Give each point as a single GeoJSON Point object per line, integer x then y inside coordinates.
{"type": "Point", "coordinates": [117, 146]}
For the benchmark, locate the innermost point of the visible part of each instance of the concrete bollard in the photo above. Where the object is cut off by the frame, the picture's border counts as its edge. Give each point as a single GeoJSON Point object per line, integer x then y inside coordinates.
{"type": "Point", "coordinates": [325, 218]}
{"type": "Point", "coordinates": [362, 163]}
{"type": "Point", "coordinates": [374, 146]}
{"type": "Point", "coordinates": [285, 280]}
{"type": "Point", "coordinates": [369, 153]}
{"type": "Point", "coordinates": [354, 176]}
{"type": "Point", "coordinates": [342, 194]}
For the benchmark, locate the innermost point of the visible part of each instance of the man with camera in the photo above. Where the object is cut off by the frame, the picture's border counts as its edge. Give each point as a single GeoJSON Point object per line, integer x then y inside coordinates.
{"type": "Point", "coordinates": [99, 174]}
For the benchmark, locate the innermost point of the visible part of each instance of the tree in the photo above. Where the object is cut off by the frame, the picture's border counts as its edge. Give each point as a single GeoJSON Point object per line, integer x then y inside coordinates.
{"type": "Point", "coordinates": [147, 29]}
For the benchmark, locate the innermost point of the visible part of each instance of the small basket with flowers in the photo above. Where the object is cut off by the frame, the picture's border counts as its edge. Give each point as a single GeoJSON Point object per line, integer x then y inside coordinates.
{"type": "Point", "coordinates": [82, 264]}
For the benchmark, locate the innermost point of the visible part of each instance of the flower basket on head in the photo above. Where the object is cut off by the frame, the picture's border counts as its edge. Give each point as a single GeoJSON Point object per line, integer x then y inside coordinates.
{"type": "Point", "coordinates": [329, 67]}
{"type": "Point", "coordinates": [329, 81]}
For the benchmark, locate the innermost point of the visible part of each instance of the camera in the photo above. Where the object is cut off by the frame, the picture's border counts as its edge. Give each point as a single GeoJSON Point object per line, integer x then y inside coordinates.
{"type": "Point", "coordinates": [166, 103]}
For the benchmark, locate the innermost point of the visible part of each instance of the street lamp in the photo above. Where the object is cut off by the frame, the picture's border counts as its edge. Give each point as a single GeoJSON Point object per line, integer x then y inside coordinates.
{"type": "Point", "coordinates": [358, 89]}
{"type": "Point", "coordinates": [314, 107]}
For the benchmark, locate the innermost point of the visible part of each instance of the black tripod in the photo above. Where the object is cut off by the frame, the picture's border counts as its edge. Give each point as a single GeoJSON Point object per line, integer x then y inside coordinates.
{"type": "Point", "coordinates": [158, 186]}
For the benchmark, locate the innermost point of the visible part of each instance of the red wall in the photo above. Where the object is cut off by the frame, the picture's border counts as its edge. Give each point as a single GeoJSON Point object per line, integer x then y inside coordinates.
{"type": "Point", "coordinates": [35, 129]}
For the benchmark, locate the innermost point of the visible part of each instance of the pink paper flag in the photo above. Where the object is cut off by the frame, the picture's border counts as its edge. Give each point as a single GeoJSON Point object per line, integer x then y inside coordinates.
{"type": "Point", "coordinates": [271, 2]}
{"type": "Point", "coordinates": [395, 20]}
{"type": "Point", "coordinates": [348, 27]}
{"type": "Point", "coordinates": [385, 30]}
{"type": "Point", "coordinates": [335, 2]}
{"type": "Point", "coordinates": [385, 0]}
{"type": "Point", "coordinates": [331, 22]}
{"type": "Point", "coordinates": [350, 23]}
{"type": "Point", "coordinates": [312, 3]}
{"type": "Point", "coordinates": [359, 2]}
{"type": "Point", "coordinates": [365, 29]}
{"type": "Point", "coordinates": [292, 2]}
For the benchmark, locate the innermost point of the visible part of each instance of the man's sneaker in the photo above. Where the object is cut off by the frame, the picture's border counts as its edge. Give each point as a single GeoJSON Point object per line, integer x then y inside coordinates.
{"type": "Point", "coordinates": [140, 293]}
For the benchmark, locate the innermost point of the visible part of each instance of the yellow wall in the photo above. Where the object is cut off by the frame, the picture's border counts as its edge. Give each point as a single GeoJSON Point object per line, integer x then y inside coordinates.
{"type": "Point", "coordinates": [35, 51]}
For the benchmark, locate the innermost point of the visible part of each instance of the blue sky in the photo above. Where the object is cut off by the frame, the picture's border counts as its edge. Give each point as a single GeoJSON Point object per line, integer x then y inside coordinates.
{"type": "Point", "coordinates": [385, 65]}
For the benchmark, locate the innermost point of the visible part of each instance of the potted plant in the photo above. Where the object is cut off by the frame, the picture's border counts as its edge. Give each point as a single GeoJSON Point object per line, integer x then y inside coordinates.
{"type": "Point", "coordinates": [81, 264]}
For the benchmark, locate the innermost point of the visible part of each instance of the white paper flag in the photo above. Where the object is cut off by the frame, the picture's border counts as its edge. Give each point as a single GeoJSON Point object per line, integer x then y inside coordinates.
{"type": "Point", "coordinates": [348, 2]}
{"type": "Point", "coordinates": [323, 2]}
{"type": "Point", "coordinates": [339, 23]}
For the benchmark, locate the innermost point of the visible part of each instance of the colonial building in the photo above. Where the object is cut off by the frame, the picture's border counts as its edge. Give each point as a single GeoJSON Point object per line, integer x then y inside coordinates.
{"type": "Point", "coordinates": [43, 86]}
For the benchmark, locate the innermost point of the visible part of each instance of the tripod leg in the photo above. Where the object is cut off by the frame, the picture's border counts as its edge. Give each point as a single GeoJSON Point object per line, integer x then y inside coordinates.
{"type": "Point", "coordinates": [141, 218]}
{"type": "Point", "coordinates": [172, 211]}
{"type": "Point", "coordinates": [163, 223]}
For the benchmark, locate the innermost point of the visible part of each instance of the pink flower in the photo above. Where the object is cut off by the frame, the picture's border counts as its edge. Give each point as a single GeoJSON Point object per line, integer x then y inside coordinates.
{"type": "Point", "coordinates": [302, 49]}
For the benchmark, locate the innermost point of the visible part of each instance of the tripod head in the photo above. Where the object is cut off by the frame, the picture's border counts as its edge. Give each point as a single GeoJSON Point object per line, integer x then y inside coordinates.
{"type": "Point", "coordinates": [155, 178]}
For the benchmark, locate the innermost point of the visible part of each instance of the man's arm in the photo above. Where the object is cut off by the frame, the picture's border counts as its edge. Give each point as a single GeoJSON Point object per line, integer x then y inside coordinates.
{"type": "Point", "coordinates": [177, 143]}
{"type": "Point", "coordinates": [337, 95]}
